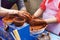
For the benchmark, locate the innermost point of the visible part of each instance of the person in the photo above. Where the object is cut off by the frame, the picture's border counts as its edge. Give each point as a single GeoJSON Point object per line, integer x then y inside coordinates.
{"type": "Point", "coordinates": [7, 4]}
{"type": "Point", "coordinates": [4, 35]}
{"type": "Point", "coordinates": [50, 11]}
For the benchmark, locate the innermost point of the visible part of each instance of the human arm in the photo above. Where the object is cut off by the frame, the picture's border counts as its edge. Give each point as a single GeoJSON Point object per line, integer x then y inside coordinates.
{"type": "Point", "coordinates": [41, 9]}
{"type": "Point", "coordinates": [4, 11]}
{"type": "Point", "coordinates": [38, 13]}
{"type": "Point", "coordinates": [56, 18]}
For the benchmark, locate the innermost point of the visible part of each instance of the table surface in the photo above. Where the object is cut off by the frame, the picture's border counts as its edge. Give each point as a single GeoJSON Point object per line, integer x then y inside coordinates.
{"type": "Point", "coordinates": [52, 35]}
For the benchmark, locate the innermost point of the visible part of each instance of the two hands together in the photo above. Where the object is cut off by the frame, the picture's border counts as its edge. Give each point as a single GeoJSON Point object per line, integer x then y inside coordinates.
{"type": "Point", "coordinates": [32, 20]}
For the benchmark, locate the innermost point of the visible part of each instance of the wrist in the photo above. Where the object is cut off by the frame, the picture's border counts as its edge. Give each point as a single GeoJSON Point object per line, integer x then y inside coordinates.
{"type": "Point", "coordinates": [34, 17]}
{"type": "Point", "coordinates": [13, 12]}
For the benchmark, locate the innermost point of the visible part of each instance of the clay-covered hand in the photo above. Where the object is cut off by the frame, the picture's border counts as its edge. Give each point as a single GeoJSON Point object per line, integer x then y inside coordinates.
{"type": "Point", "coordinates": [37, 22]}
{"type": "Point", "coordinates": [33, 17]}
{"type": "Point", "coordinates": [25, 14]}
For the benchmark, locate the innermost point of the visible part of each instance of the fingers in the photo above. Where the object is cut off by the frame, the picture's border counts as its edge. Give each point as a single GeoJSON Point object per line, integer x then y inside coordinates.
{"type": "Point", "coordinates": [33, 17]}
{"type": "Point", "coordinates": [37, 22]}
{"type": "Point", "coordinates": [25, 15]}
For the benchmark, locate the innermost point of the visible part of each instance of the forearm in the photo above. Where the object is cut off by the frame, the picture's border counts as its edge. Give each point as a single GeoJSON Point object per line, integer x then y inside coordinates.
{"type": "Point", "coordinates": [51, 20]}
{"type": "Point", "coordinates": [38, 12]}
{"type": "Point", "coordinates": [7, 10]}
{"type": "Point", "coordinates": [4, 11]}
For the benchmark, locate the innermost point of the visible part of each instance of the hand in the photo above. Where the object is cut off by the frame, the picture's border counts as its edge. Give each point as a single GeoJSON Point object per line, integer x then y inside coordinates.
{"type": "Point", "coordinates": [25, 14]}
{"type": "Point", "coordinates": [33, 17]}
{"type": "Point", "coordinates": [21, 13]}
{"type": "Point", "coordinates": [37, 22]}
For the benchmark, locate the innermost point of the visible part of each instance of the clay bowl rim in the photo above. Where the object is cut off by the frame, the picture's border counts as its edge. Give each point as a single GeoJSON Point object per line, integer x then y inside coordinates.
{"type": "Point", "coordinates": [38, 31]}
{"type": "Point", "coordinates": [14, 20]}
{"type": "Point", "coordinates": [42, 27]}
{"type": "Point", "coordinates": [39, 20]}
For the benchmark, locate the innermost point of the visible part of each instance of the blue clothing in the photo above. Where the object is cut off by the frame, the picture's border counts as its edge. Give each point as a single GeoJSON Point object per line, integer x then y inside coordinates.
{"type": "Point", "coordinates": [5, 35]}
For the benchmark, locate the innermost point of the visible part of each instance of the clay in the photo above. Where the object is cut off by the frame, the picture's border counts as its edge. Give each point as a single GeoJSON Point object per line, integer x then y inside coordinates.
{"type": "Point", "coordinates": [37, 22]}
{"type": "Point", "coordinates": [9, 18]}
{"type": "Point", "coordinates": [36, 28]}
{"type": "Point", "coordinates": [18, 21]}
{"type": "Point", "coordinates": [26, 16]}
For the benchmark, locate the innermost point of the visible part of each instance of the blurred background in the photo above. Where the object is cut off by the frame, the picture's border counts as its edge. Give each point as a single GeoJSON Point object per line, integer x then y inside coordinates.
{"type": "Point", "coordinates": [31, 5]}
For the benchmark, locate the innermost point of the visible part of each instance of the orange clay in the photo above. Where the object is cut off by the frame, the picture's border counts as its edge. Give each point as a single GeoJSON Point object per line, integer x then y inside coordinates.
{"type": "Point", "coordinates": [35, 28]}
{"type": "Point", "coordinates": [7, 20]}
